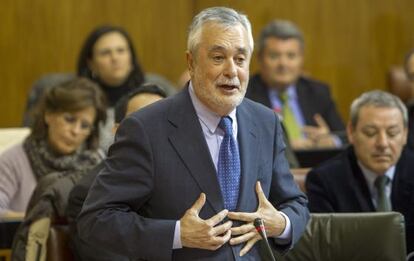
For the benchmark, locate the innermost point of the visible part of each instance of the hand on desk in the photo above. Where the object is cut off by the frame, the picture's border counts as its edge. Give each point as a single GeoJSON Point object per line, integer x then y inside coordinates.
{"type": "Point", "coordinates": [204, 234]}
{"type": "Point", "coordinates": [318, 136]}
{"type": "Point", "coordinates": [274, 222]}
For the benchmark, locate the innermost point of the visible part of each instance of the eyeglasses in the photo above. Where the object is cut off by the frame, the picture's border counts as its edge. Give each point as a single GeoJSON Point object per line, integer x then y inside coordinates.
{"type": "Point", "coordinates": [85, 126]}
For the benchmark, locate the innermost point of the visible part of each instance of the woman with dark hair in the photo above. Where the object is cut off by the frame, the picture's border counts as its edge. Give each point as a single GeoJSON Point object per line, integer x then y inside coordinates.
{"type": "Point", "coordinates": [108, 58]}
{"type": "Point", "coordinates": [64, 138]}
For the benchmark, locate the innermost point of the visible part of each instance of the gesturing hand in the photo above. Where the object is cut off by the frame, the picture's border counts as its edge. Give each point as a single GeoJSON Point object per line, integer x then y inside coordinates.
{"type": "Point", "coordinates": [274, 222]}
{"type": "Point", "coordinates": [204, 234]}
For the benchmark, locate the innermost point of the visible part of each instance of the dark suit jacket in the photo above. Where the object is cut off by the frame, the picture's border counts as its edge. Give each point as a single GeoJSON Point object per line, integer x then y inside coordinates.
{"type": "Point", "coordinates": [338, 185]}
{"type": "Point", "coordinates": [81, 249]}
{"type": "Point", "coordinates": [159, 165]}
{"type": "Point", "coordinates": [313, 96]}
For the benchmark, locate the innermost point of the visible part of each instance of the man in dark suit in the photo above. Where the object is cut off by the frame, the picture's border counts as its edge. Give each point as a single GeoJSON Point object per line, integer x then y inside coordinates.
{"type": "Point", "coordinates": [309, 113]}
{"type": "Point", "coordinates": [187, 176]}
{"type": "Point", "coordinates": [375, 173]}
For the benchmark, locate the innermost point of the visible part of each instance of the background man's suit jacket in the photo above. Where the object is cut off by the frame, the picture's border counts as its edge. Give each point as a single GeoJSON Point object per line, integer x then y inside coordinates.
{"type": "Point", "coordinates": [313, 96]}
{"type": "Point", "coordinates": [159, 165]}
{"type": "Point", "coordinates": [339, 185]}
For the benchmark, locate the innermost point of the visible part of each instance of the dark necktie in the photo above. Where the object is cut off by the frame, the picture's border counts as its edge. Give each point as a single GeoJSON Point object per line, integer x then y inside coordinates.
{"type": "Point", "coordinates": [383, 202]}
{"type": "Point", "coordinates": [228, 167]}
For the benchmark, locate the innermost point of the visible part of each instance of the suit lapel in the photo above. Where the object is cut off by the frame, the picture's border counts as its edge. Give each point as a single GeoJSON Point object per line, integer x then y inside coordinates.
{"type": "Point", "coordinates": [304, 103]}
{"type": "Point", "coordinates": [360, 185]}
{"type": "Point", "coordinates": [189, 142]}
{"type": "Point", "coordinates": [247, 141]}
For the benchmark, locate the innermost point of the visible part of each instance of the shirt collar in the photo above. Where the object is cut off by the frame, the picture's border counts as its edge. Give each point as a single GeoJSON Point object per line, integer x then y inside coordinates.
{"type": "Point", "coordinates": [209, 118]}
{"type": "Point", "coordinates": [290, 90]}
{"type": "Point", "coordinates": [371, 176]}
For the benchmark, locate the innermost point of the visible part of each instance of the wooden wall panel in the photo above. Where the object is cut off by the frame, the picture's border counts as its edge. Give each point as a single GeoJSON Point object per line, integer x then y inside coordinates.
{"type": "Point", "coordinates": [349, 44]}
{"type": "Point", "coordinates": [37, 37]}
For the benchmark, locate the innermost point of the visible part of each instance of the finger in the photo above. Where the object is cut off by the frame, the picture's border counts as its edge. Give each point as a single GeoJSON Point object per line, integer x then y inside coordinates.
{"type": "Point", "coordinates": [242, 238]}
{"type": "Point", "coordinates": [242, 229]}
{"type": "Point", "coordinates": [248, 246]}
{"type": "Point", "coordinates": [260, 193]}
{"type": "Point", "coordinates": [214, 220]}
{"type": "Point", "coordinates": [243, 216]}
{"type": "Point", "coordinates": [221, 229]}
{"type": "Point", "coordinates": [310, 130]}
{"type": "Point", "coordinates": [198, 205]}
{"type": "Point", "coordinates": [218, 241]}
{"type": "Point", "coordinates": [320, 121]}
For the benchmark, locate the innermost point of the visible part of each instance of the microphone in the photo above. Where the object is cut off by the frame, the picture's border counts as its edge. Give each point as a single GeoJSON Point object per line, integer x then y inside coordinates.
{"type": "Point", "coordinates": [260, 228]}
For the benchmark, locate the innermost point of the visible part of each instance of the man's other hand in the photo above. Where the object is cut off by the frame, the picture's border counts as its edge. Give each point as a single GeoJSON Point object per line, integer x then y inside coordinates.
{"type": "Point", "coordinates": [274, 222]}
{"type": "Point", "coordinates": [204, 234]}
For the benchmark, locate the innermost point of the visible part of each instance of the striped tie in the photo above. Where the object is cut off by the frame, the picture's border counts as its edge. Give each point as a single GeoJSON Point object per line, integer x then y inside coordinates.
{"type": "Point", "coordinates": [289, 120]}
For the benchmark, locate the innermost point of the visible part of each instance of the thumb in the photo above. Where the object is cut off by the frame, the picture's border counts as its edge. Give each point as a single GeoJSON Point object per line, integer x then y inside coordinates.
{"type": "Point", "coordinates": [320, 121]}
{"type": "Point", "coordinates": [199, 203]}
{"type": "Point", "coordinates": [260, 194]}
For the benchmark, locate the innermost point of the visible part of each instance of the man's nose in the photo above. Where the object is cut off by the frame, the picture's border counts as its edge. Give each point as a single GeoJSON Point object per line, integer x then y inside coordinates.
{"type": "Point", "coordinates": [382, 140]}
{"type": "Point", "coordinates": [230, 69]}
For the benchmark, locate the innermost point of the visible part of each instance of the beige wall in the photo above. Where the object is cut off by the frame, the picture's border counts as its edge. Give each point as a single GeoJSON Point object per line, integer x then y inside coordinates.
{"type": "Point", "coordinates": [41, 36]}
{"type": "Point", "coordinates": [349, 44]}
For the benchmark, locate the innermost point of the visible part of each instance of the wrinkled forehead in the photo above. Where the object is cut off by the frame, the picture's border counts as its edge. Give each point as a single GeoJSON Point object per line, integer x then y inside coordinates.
{"type": "Point", "coordinates": [215, 36]}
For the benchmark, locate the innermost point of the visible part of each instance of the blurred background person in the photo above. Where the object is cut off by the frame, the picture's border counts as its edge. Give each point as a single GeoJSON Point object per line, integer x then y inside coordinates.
{"type": "Point", "coordinates": [375, 173]}
{"type": "Point", "coordinates": [64, 136]}
{"type": "Point", "coordinates": [135, 100]}
{"type": "Point", "coordinates": [308, 111]}
{"type": "Point", "coordinates": [108, 58]}
{"type": "Point", "coordinates": [409, 70]}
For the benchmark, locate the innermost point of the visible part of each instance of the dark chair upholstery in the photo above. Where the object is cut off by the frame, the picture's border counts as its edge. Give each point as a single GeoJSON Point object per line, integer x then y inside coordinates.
{"type": "Point", "coordinates": [58, 244]}
{"type": "Point", "coordinates": [351, 236]}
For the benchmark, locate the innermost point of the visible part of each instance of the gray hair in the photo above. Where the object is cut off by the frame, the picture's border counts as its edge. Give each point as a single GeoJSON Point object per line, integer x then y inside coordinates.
{"type": "Point", "coordinates": [378, 99]}
{"type": "Point", "coordinates": [222, 15]}
{"type": "Point", "coordinates": [281, 29]}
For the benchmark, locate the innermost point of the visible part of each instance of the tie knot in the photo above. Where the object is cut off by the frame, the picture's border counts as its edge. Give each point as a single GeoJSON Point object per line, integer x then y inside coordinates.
{"type": "Point", "coordinates": [381, 182]}
{"type": "Point", "coordinates": [226, 125]}
{"type": "Point", "coordinates": [283, 96]}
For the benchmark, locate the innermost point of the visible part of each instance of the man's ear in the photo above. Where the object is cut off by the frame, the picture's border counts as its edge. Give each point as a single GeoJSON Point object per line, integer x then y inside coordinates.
{"type": "Point", "coordinates": [190, 62]}
{"type": "Point", "coordinates": [405, 133]}
{"type": "Point", "coordinates": [350, 132]}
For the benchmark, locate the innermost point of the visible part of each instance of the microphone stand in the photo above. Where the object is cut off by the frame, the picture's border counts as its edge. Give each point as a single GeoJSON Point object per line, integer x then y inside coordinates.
{"type": "Point", "coordinates": [260, 228]}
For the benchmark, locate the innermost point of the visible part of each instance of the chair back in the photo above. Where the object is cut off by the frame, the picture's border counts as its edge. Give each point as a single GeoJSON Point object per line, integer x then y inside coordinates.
{"type": "Point", "coordinates": [58, 243]}
{"type": "Point", "coordinates": [12, 136]}
{"type": "Point", "coordinates": [351, 236]}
